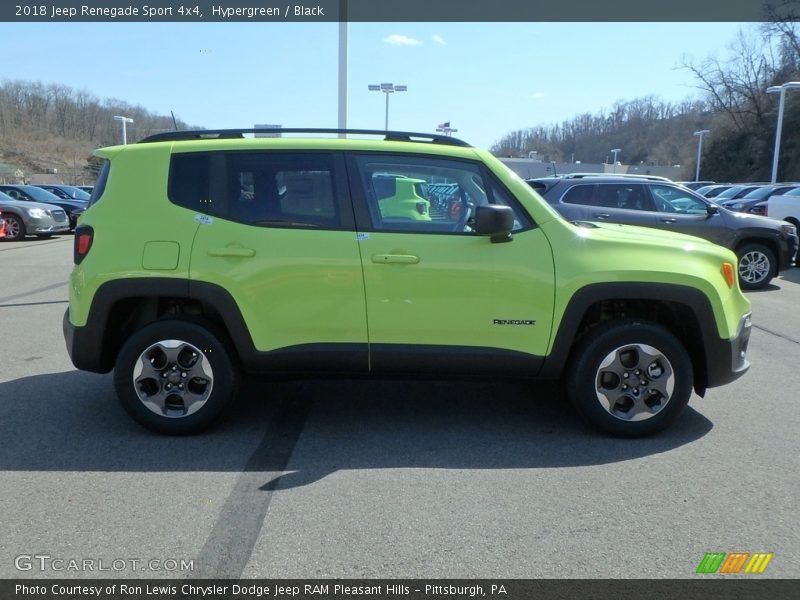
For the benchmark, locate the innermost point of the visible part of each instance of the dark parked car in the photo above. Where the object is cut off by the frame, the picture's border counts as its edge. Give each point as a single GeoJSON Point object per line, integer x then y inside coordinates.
{"type": "Point", "coordinates": [736, 191]}
{"type": "Point", "coordinates": [710, 191]}
{"type": "Point", "coordinates": [695, 185]}
{"type": "Point", "coordinates": [31, 193]}
{"type": "Point", "coordinates": [763, 246]}
{"type": "Point", "coordinates": [67, 192]}
{"type": "Point", "coordinates": [760, 194]}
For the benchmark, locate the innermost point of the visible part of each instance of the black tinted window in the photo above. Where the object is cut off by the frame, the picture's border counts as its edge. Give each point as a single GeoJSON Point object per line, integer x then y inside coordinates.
{"type": "Point", "coordinates": [579, 194]}
{"type": "Point", "coordinates": [609, 195]}
{"type": "Point", "coordinates": [189, 178]}
{"type": "Point", "coordinates": [257, 188]}
{"type": "Point", "coordinates": [100, 184]}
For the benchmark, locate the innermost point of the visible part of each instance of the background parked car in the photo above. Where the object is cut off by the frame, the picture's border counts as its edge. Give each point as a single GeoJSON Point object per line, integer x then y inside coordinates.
{"type": "Point", "coordinates": [31, 218]}
{"type": "Point", "coordinates": [86, 188]}
{"type": "Point", "coordinates": [736, 191]}
{"type": "Point", "coordinates": [710, 191]}
{"type": "Point", "coordinates": [763, 246]}
{"type": "Point", "coordinates": [695, 185]}
{"type": "Point", "coordinates": [2, 228]}
{"type": "Point", "coordinates": [760, 194]}
{"type": "Point", "coordinates": [67, 192]}
{"type": "Point", "coordinates": [31, 193]}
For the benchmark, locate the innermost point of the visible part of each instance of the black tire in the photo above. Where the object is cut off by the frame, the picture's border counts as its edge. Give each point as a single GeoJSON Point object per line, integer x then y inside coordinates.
{"type": "Point", "coordinates": [15, 228]}
{"type": "Point", "coordinates": [598, 392]}
{"type": "Point", "coordinates": [756, 266]}
{"type": "Point", "coordinates": [210, 381]}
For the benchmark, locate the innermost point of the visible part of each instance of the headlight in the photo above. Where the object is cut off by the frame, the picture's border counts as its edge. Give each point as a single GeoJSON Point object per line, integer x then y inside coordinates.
{"type": "Point", "coordinates": [37, 213]}
{"type": "Point", "coordinates": [789, 229]}
{"type": "Point", "coordinates": [735, 206]}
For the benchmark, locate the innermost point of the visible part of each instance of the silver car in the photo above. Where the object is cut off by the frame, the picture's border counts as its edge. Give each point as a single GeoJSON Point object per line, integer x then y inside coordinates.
{"type": "Point", "coordinates": [31, 218]}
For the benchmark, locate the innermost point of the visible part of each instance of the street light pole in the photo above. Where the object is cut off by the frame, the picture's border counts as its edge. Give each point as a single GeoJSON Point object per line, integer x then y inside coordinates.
{"type": "Point", "coordinates": [387, 88]}
{"type": "Point", "coordinates": [790, 85]}
{"type": "Point", "coordinates": [700, 135]}
{"type": "Point", "coordinates": [125, 121]}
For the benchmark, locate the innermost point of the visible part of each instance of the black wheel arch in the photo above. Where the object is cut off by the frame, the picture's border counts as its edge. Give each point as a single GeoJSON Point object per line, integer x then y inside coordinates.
{"type": "Point", "coordinates": [683, 310]}
{"type": "Point", "coordinates": [122, 306]}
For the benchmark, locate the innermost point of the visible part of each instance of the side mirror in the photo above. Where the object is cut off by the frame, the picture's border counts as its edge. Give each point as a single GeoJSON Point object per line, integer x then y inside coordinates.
{"type": "Point", "coordinates": [712, 209]}
{"type": "Point", "coordinates": [496, 221]}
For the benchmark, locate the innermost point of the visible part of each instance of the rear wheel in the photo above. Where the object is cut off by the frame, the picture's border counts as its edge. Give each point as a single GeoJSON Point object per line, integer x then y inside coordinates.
{"type": "Point", "coordinates": [629, 378]}
{"type": "Point", "coordinates": [757, 266]}
{"type": "Point", "coordinates": [15, 228]}
{"type": "Point", "coordinates": [174, 377]}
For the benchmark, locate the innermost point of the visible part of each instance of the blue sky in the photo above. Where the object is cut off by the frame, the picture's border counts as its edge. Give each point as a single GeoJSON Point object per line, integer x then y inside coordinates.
{"type": "Point", "coordinates": [485, 78]}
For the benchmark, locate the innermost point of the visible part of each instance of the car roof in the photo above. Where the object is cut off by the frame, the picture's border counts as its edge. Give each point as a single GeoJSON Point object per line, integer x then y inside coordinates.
{"type": "Point", "coordinates": [218, 134]}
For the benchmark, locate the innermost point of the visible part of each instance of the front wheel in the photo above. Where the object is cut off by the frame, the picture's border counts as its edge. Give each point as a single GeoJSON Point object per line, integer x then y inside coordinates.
{"type": "Point", "coordinates": [174, 377]}
{"type": "Point", "coordinates": [630, 378]}
{"type": "Point", "coordinates": [15, 228]}
{"type": "Point", "coordinates": [757, 266]}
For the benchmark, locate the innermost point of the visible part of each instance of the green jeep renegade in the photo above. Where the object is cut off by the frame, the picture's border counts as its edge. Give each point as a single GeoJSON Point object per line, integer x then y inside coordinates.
{"type": "Point", "coordinates": [207, 254]}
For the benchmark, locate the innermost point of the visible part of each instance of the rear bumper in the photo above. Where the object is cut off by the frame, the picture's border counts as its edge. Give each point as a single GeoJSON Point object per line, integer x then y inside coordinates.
{"type": "Point", "coordinates": [84, 346]}
{"type": "Point", "coordinates": [726, 359]}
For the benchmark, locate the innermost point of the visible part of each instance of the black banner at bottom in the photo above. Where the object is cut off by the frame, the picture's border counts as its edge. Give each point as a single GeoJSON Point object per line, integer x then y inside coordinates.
{"type": "Point", "coordinates": [702, 588]}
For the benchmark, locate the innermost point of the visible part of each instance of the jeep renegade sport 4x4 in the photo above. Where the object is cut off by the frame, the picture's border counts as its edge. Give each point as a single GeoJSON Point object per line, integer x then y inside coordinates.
{"type": "Point", "coordinates": [412, 254]}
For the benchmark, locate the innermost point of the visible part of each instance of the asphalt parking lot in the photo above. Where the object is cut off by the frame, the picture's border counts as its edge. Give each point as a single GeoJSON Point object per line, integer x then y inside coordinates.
{"type": "Point", "coordinates": [384, 479]}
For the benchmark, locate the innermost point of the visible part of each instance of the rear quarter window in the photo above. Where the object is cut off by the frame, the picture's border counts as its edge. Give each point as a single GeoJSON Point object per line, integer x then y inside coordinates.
{"type": "Point", "coordinates": [100, 184]}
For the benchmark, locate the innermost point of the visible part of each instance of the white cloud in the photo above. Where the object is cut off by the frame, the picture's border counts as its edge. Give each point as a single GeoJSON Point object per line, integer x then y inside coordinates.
{"type": "Point", "coordinates": [401, 40]}
{"type": "Point", "coordinates": [439, 40]}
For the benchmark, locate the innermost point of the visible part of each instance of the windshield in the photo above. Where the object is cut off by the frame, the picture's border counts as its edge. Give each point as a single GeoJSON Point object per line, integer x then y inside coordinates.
{"type": "Point", "coordinates": [39, 194]}
{"type": "Point", "coordinates": [730, 192]}
{"type": "Point", "coordinates": [759, 193]}
{"type": "Point", "coordinates": [75, 192]}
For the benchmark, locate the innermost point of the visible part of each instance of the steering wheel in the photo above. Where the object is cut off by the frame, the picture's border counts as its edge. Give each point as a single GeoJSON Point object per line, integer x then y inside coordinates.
{"type": "Point", "coordinates": [459, 210]}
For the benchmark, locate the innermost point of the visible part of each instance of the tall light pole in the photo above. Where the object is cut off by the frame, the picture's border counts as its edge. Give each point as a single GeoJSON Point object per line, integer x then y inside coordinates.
{"type": "Point", "coordinates": [700, 135]}
{"type": "Point", "coordinates": [790, 85]}
{"type": "Point", "coordinates": [342, 112]}
{"type": "Point", "coordinates": [125, 121]}
{"type": "Point", "coordinates": [387, 88]}
{"type": "Point", "coordinates": [616, 151]}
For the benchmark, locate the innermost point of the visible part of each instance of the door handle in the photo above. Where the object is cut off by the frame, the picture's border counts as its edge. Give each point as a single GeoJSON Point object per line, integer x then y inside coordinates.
{"type": "Point", "coordinates": [668, 220]}
{"type": "Point", "coordinates": [601, 216]}
{"type": "Point", "coordinates": [232, 252]}
{"type": "Point", "coordinates": [404, 259]}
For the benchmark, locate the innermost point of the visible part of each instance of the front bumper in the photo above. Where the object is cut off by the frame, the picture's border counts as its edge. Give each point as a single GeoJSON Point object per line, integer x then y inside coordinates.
{"type": "Point", "coordinates": [36, 226]}
{"type": "Point", "coordinates": [726, 359]}
{"type": "Point", "coordinates": [788, 250]}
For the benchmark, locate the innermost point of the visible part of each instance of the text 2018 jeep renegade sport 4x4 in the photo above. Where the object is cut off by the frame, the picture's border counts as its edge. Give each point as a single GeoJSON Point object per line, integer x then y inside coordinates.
{"type": "Point", "coordinates": [412, 254]}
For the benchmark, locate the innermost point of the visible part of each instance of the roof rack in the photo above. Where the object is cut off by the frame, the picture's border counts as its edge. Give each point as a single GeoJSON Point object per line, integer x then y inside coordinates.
{"type": "Point", "coordinates": [622, 175]}
{"type": "Point", "coordinates": [218, 134]}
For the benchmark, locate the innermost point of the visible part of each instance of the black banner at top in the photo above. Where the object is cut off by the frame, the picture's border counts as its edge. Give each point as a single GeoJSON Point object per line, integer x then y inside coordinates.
{"type": "Point", "coordinates": [398, 10]}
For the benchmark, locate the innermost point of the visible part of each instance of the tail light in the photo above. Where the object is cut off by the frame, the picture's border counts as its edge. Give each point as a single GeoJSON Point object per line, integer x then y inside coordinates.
{"type": "Point", "coordinates": [84, 236]}
{"type": "Point", "coordinates": [422, 207]}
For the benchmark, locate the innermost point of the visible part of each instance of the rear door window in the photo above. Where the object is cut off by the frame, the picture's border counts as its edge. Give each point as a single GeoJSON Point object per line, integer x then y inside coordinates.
{"type": "Point", "coordinates": [269, 189]}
